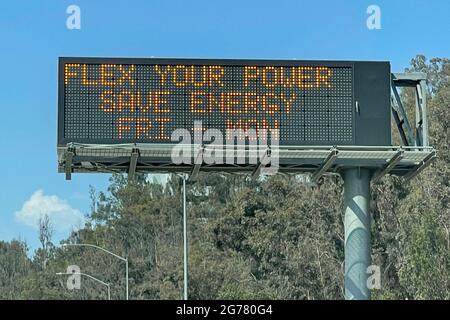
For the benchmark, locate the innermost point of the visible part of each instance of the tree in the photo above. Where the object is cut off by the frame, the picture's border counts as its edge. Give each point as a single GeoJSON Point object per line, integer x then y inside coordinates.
{"type": "Point", "coordinates": [45, 238]}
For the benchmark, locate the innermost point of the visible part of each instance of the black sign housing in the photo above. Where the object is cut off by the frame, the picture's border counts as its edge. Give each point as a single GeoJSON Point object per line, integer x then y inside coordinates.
{"type": "Point", "coordinates": [136, 100]}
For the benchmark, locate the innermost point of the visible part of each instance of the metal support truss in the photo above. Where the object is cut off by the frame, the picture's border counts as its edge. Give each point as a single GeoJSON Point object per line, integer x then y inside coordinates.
{"type": "Point", "coordinates": [328, 162]}
{"type": "Point", "coordinates": [68, 165]}
{"type": "Point", "coordinates": [261, 163]}
{"type": "Point", "coordinates": [133, 164]}
{"type": "Point", "coordinates": [198, 160]}
{"type": "Point", "coordinates": [418, 136]}
{"type": "Point", "coordinates": [389, 166]}
{"type": "Point", "coordinates": [316, 160]}
{"type": "Point", "coordinates": [421, 166]}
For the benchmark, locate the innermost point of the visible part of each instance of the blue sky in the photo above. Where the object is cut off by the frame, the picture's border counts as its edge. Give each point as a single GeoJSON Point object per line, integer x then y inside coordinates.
{"type": "Point", "coordinates": [34, 35]}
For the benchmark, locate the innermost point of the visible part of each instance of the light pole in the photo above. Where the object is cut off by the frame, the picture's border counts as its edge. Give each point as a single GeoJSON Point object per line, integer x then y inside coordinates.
{"type": "Point", "coordinates": [90, 277]}
{"type": "Point", "coordinates": [107, 251]}
{"type": "Point", "coordinates": [185, 244]}
{"type": "Point", "coordinates": [184, 177]}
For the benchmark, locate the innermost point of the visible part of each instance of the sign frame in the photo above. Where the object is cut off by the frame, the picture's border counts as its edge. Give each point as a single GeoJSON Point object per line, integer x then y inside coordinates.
{"type": "Point", "coordinates": [354, 65]}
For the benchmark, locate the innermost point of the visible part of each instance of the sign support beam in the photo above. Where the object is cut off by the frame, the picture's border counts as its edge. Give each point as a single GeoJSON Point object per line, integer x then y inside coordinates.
{"type": "Point", "coordinates": [421, 166]}
{"type": "Point", "coordinates": [185, 242]}
{"type": "Point", "coordinates": [328, 162]}
{"type": "Point", "coordinates": [261, 163]}
{"type": "Point", "coordinates": [357, 232]}
{"type": "Point", "coordinates": [133, 164]}
{"type": "Point", "coordinates": [197, 164]}
{"type": "Point", "coordinates": [416, 81]}
{"type": "Point", "coordinates": [69, 160]}
{"type": "Point", "coordinates": [389, 166]}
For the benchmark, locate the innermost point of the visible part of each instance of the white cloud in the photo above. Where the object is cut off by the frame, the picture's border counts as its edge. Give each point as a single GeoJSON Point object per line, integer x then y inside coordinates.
{"type": "Point", "coordinates": [62, 216]}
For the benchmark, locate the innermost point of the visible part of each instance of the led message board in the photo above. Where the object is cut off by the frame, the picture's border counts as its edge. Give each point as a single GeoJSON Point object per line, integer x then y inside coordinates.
{"type": "Point", "coordinates": [117, 100]}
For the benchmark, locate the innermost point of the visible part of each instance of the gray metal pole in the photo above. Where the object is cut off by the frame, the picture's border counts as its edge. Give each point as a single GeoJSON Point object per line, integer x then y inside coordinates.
{"type": "Point", "coordinates": [357, 233]}
{"type": "Point", "coordinates": [126, 273]}
{"type": "Point", "coordinates": [185, 244]}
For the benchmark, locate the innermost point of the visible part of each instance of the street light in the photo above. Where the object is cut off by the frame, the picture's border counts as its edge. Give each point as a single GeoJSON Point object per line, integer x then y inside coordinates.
{"type": "Point", "coordinates": [107, 251]}
{"type": "Point", "coordinates": [185, 240]}
{"type": "Point", "coordinates": [184, 177]}
{"type": "Point", "coordinates": [89, 276]}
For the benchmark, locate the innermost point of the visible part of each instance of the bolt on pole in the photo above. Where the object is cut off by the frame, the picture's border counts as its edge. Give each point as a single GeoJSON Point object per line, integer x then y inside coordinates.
{"type": "Point", "coordinates": [357, 233]}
